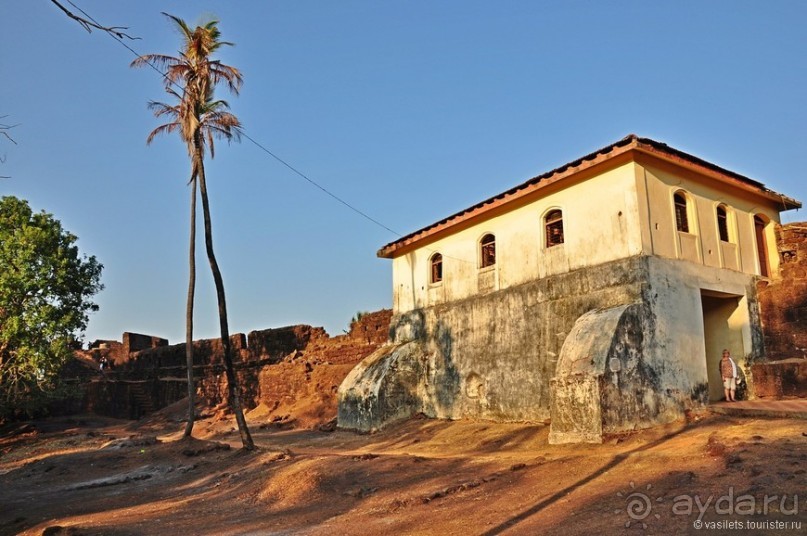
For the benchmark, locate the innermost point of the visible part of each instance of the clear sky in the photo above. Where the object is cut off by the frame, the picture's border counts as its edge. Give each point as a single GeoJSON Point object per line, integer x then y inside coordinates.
{"type": "Point", "coordinates": [409, 110]}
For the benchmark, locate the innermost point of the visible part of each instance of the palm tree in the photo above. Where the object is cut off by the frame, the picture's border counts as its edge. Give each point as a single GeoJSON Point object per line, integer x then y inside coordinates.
{"type": "Point", "coordinates": [199, 118]}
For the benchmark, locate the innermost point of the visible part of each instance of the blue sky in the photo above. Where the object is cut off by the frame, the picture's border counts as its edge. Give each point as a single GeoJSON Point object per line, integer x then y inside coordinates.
{"type": "Point", "coordinates": [408, 110]}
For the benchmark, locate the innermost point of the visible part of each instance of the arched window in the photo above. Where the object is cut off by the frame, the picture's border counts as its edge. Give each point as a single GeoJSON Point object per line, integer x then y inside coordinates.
{"type": "Point", "coordinates": [681, 218]}
{"type": "Point", "coordinates": [553, 223]}
{"type": "Point", "coordinates": [722, 223]}
{"type": "Point", "coordinates": [487, 251]}
{"type": "Point", "coordinates": [762, 248]}
{"type": "Point", "coordinates": [436, 268]}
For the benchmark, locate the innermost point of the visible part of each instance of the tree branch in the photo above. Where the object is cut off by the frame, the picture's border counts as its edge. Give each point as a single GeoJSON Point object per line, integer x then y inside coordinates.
{"type": "Point", "coordinates": [3, 130]}
{"type": "Point", "coordinates": [88, 23]}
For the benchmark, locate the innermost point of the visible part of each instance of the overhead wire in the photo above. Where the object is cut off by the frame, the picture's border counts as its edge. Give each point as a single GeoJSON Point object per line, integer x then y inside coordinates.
{"type": "Point", "coordinates": [260, 146]}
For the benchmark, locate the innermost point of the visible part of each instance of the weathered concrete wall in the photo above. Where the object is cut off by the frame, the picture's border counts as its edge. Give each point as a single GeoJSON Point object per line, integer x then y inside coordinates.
{"type": "Point", "coordinates": [494, 356]}
{"type": "Point", "coordinates": [783, 301]}
{"type": "Point", "coordinates": [489, 356]}
{"type": "Point", "coordinates": [678, 350]}
{"type": "Point", "coordinates": [576, 410]}
{"type": "Point", "coordinates": [604, 382]}
{"type": "Point", "coordinates": [385, 387]}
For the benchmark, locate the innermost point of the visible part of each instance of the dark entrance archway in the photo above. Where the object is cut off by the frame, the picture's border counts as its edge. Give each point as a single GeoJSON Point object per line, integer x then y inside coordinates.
{"type": "Point", "coordinates": [722, 328]}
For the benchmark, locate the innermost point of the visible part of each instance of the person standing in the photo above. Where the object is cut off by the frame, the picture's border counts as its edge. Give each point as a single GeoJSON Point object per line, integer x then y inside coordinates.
{"type": "Point", "coordinates": [728, 372]}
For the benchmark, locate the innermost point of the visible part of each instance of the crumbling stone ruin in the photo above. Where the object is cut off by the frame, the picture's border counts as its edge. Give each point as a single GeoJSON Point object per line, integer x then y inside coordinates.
{"type": "Point", "coordinates": [276, 368]}
{"type": "Point", "coordinates": [783, 312]}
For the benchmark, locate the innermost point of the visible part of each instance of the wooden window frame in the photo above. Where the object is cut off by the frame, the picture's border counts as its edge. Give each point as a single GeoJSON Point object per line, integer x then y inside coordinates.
{"type": "Point", "coordinates": [487, 251]}
{"type": "Point", "coordinates": [681, 209]}
{"type": "Point", "coordinates": [553, 228]}
{"type": "Point", "coordinates": [436, 269]}
{"type": "Point", "coordinates": [722, 215]}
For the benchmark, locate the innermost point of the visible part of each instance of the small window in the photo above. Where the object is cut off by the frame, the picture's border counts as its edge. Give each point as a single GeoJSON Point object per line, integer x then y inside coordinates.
{"type": "Point", "coordinates": [436, 268]}
{"type": "Point", "coordinates": [722, 223]}
{"type": "Point", "coordinates": [681, 219]}
{"type": "Point", "coordinates": [487, 251]}
{"type": "Point", "coordinates": [554, 228]}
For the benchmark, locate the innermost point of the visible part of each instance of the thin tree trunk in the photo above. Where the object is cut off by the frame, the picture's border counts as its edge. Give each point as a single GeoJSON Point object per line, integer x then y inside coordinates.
{"type": "Point", "coordinates": [189, 314]}
{"type": "Point", "coordinates": [234, 395]}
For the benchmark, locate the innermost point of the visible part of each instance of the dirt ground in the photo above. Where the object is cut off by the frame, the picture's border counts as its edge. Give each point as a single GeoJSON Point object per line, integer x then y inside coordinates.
{"type": "Point", "coordinates": [90, 475]}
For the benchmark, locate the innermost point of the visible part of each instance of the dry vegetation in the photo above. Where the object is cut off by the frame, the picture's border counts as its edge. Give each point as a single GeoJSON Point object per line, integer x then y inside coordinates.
{"type": "Point", "coordinates": [95, 476]}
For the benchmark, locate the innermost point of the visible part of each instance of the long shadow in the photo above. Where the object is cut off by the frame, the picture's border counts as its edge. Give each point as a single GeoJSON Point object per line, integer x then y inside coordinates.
{"type": "Point", "coordinates": [33, 480]}
{"type": "Point", "coordinates": [616, 460]}
{"type": "Point", "coordinates": [341, 484]}
{"type": "Point", "coordinates": [514, 440]}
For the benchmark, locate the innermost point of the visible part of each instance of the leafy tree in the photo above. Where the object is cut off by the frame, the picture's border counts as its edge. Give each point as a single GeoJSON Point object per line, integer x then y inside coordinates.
{"type": "Point", "coordinates": [45, 296]}
{"type": "Point", "coordinates": [199, 118]}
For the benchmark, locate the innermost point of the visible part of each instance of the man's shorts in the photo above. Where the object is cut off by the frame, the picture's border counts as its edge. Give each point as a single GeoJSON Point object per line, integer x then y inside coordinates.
{"type": "Point", "coordinates": [730, 383]}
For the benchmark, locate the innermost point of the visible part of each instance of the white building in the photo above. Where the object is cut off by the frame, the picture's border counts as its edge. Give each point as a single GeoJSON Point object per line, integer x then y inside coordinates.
{"type": "Point", "coordinates": [597, 295]}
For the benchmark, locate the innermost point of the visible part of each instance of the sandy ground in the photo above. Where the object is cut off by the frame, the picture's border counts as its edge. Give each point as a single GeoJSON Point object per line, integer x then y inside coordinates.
{"type": "Point", "coordinates": [90, 476]}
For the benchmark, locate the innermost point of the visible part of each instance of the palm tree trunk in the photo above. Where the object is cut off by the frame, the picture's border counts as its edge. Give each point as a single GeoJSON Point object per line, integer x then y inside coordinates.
{"type": "Point", "coordinates": [234, 395]}
{"type": "Point", "coordinates": [189, 314]}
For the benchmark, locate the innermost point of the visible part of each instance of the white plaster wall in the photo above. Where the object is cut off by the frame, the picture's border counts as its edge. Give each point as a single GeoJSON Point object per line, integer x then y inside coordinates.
{"type": "Point", "coordinates": [657, 182]}
{"type": "Point", "coordinates": [622, 212]}
{"type": "Point", "coordinates": [675, 295]}
{"type": "Point", "coordinates": [601, 223]}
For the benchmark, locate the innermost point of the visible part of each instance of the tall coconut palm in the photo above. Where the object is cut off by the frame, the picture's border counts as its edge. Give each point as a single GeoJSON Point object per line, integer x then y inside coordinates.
{"type": "Point", "coordinates": [199, 118]}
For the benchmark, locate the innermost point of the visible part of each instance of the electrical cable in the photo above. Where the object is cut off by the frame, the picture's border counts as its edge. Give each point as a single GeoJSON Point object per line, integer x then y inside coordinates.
{"type": "Point", "coordinates": [241, 132]}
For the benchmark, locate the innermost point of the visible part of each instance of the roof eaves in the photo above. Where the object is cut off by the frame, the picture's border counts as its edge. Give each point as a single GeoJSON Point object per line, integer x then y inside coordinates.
{"type": "Point", "coordinates": [630, 141]}
{"type": "Point", "coordinates": [741, 181]}
{"type": "Point", "coordinates": [387, 250]}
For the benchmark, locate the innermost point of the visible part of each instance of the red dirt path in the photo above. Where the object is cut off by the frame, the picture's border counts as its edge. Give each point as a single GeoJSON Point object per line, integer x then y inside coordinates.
{"type": "Point", "coordinates": [93, 476]}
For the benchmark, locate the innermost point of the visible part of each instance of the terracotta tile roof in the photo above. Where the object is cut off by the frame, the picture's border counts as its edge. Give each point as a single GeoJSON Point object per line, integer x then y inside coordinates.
{"type": "Point", "coordinates": [632, 142]}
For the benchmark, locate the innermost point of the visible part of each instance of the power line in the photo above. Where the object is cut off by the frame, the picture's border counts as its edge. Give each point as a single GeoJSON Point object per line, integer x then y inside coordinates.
{"type": "Point", "coordinates": [89, 25]}
{"type": "Point", "coordinates": [241, 132]}
{"type": "Point", "coordinates": [247, 136]}
{"type": "Point", "coordinates": [314, 183]}
{"type": "Point", "coordinates": [119, 40]}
